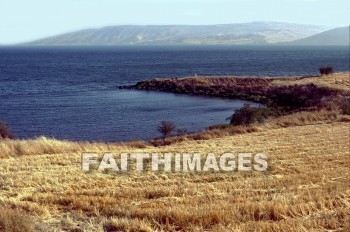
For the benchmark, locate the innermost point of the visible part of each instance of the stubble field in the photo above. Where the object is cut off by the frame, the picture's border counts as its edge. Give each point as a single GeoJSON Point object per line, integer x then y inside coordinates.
{"type": "Point", "coordinates": [306, 188]}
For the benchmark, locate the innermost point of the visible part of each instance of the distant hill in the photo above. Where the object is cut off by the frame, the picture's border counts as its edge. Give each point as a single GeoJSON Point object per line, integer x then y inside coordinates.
{"type": "Point", "coordinates": [337, 36]}
{"type": "Point", "coordinates": [239, 33]}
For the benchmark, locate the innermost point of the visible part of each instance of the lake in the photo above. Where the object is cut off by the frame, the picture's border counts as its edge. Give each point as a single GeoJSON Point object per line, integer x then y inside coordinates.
{"type": "Point", "coordinates": [69, 92]}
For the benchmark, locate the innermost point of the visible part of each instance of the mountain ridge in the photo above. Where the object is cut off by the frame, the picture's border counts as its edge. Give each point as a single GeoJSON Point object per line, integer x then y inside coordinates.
{"type": "Point", "coordinates": [259, 32]}
{"type": "Point", "coordinates": [336, 36]}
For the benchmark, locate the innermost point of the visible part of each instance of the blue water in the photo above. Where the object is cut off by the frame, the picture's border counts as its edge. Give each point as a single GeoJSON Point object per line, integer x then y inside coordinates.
{"type": "Point", "coordinates": [69, 92]}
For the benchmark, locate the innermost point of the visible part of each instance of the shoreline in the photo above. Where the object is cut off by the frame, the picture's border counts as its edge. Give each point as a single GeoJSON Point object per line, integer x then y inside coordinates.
{"type": "Point", "coordinates": [285, 96]}
{"type": "Point", "coordinates": [305, 185]}
{"type": "Point", "coordinates": [250, 88]}
{"type": "Point", "coordinates": [319, 107]}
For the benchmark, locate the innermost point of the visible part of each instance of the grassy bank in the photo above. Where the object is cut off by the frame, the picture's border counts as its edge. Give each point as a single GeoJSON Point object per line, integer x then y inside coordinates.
{"type": "Point", "coordinates": [299, 100]}
{"type": "Point", "coordinates": [43, 145]}
{"type": "Point", "coordinates": [42, 186]}
{"type": "Point", "coordinates": [305, 189]}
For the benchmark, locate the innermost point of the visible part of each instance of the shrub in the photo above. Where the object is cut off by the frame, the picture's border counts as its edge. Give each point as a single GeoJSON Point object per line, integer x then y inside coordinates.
{"type": "Point", "coordinates": [299, 96]}
{"type": "Point", "coordinates": [326, 70]}
{"type": "Point", "coordinates": [14, 221]}
{"type": "Point", "coordinates": [248, 115]}
{"type": "Point", "coordinates": [345, 106]}
{"type": "Point", "coordinates": [5, 131]}
{"type": "Point", "coordinates": [166, 128]}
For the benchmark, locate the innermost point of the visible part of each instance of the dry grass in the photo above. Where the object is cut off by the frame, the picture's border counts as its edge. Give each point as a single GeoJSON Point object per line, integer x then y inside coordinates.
{"type": "Point", "coordinates": [43, 145]}
{"type": "Point", "coordinates": [289, 93]}
{"type": "Point", "coordinates": [125, 224]}
{"type": "Point", "coordinates": [15, 221]}
{"type": "Point", "coordinates": [340, 81]}
{"type": "Point", "coordinates": [305, 189]}
{"type": "Point", "coordinates": [294, 119]}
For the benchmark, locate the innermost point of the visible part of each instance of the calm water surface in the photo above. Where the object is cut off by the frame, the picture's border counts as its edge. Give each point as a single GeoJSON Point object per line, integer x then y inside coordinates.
{"type": "Point", "coordinates": [69, 92]}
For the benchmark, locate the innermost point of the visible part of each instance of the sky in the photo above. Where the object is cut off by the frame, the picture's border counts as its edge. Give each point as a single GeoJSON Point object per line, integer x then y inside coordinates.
{"type": "Point", "coordinates": [26, 20]}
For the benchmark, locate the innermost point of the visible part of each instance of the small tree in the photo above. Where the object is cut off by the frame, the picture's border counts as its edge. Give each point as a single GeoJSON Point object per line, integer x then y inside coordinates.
{"type": "Point", "coordinates": [5, 131]}
{"type": "Point", "coordinates": [326, 70]}
{"type": "Point", "coordinates": [166, 128]}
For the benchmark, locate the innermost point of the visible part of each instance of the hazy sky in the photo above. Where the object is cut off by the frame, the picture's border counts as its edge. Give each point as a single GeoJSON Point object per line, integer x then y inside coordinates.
{"type": "Point", "coordinates": [24, 20]}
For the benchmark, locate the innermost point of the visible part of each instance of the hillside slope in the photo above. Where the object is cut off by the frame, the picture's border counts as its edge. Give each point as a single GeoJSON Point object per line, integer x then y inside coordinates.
{"type": "Point", "coordinates": [337, 36]}
{"type": "Point", "coordinates": [239, 33]}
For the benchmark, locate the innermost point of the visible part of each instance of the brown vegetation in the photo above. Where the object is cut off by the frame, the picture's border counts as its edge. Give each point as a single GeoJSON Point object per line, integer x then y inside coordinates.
{"type": "Point", "coordinates": [15, 221]}
{"type": "Point", "coordinates": [305, 189]}
{"type": "Point", "coordinates": [293, 93]}
{"type": "Point", "coordinates": [43, 145]}
{"type": "Point", "coordinates": [166, 128]}
{"type": "Point", "coordinates": [5, 132]}
{"type": "Point", "coordinates": [326, 70]}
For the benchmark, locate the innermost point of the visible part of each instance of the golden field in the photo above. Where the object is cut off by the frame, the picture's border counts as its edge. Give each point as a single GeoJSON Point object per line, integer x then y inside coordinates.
{"type": "Point", "coordinates": [339, 81]}
{"type": "Point", "coordinates": [306, 188]}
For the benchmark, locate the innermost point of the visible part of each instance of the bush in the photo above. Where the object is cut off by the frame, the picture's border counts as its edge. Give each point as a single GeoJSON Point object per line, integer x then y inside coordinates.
{"type": "Point", "coordinates": [5, 131]}
{"type": "Point", "coordinates": [326, 70]}
{"type": "Point", "coordinates": [14, 221]}
{"type": "Point", "coordinates": [345, 106]}
{"type": "Point", "coordinates": [299, 96]}
{"type": "Point", "coordinates": [166, 128]}
{"type": "Point", "coordinates": [247, 115]}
